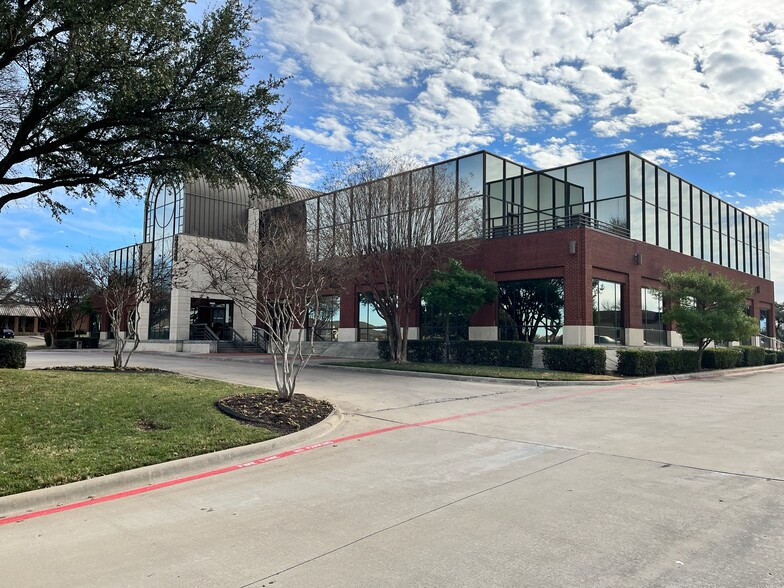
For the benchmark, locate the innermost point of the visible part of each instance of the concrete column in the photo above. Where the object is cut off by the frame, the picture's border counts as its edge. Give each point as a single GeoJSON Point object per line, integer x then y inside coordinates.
{"type": "Point", "coordinates": [413, 333]}
{"type": "Point", "coordinates": [578, 335]}
{"type": "Point", "coordinates": [635, 337]}
{"type": "Point", "coordinates": [347, 334]}
{"type": "Point", "coordinates": [180, 315]}
{"type": "Point", "coordinates": [674, 339]}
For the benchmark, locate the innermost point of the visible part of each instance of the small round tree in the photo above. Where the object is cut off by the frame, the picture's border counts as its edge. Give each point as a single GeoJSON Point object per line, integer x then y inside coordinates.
{"type": "Point", "coordinates": [458, 292]}
{"type": "Point", "coordinates": [706, 308]}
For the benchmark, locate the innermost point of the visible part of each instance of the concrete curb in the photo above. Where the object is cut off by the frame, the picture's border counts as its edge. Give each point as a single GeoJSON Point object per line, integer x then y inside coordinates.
{"type": "Point", "coordinates": [705, 375]}
{"type": "Point", "coordinates": [153, 474]}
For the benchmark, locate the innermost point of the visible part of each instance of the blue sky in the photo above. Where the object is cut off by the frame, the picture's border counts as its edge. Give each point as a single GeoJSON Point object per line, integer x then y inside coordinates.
{"type": "Point", "coordinates": [697, 87]}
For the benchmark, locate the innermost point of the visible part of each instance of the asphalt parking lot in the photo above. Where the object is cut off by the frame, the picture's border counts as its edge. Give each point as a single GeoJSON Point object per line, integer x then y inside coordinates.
{"type": "Point", "coordinates": [429, 482]}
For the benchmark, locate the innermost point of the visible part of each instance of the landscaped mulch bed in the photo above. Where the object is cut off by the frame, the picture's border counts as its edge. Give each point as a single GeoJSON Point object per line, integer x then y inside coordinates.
{"type": "Point", "coordinates": [265, 410]}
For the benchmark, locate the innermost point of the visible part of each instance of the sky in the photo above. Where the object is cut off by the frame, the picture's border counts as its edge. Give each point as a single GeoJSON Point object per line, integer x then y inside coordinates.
{"type": "Point", "coordinates": [696, 86]}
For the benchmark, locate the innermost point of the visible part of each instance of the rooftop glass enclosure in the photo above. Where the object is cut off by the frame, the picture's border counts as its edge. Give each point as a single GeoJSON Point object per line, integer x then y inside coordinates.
{"type": "Point", "coordinates": [482, 195]}
{"type": "Point", "coordinates": [660, 208]}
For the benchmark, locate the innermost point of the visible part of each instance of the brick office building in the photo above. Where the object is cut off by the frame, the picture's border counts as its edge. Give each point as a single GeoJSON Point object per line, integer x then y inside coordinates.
{"type": "Point", "coordinates": [577, 250]}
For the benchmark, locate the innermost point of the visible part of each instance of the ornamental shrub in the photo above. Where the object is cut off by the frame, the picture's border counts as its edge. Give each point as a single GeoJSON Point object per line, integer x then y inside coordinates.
{"type": "Point", "coordinates": [586, 360]}
{"type": "Point", "coordinates": [636, 362]}
{"type": "Point", "coordinates": [779, 356]}
{"type": "Point", "coordinates": [770, 356]}
{"type": "Point", "coordinates": [13, 354]}
{"type": "Point", "coordinates": [518, 354]}
{"type": "Point", "coordinates": [676, 361]}
{"type": "Point", "coordinates": [751, 356]}
{"type": "Point", "coordinates": [427, 351]}
{"type": "Point", "coordinates": [721, 358]}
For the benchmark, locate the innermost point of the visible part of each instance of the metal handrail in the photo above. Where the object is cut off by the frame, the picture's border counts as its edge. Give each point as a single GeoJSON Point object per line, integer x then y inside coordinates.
{"type": "Point", "coordinates": [202, 332]}
{"type": "Point", "coordinates": [258, 338]}
{"type": "Point", "coordinates": [505, 228]}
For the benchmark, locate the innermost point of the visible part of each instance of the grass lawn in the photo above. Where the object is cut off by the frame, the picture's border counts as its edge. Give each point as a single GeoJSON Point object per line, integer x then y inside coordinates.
{"type": "Point", "coordinates": [476, 370]}
{"type": "Point", "coordinates": [62, 426]}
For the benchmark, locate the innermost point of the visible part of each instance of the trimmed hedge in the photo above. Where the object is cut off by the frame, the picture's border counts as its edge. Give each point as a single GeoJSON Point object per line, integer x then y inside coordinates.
{"type": "Point", "coordinates": [13, 354]}
{"type": "Point", "coordinates": [721, 358]}
{"type": "Point", "coordinates": [636, 362]}
{"type": "Point", "coordinates": [71, 343]}
{"type": "Point", "coordinates": [427, 351]}
{"type": "Point", "coordinates": [584, 360]}
{"type": "Point", "coordinates": [770, 356]}
{"type": "Point", "coordinates": [751, 356]}
{"type": "Point", "coordinates": [779, 356]}
{"type": "Point", "coordinates": [499, 353]}
{"type": "Point", "coordinates": [518, 354]}
{"type": "Point", "coordinates": [680, 361]}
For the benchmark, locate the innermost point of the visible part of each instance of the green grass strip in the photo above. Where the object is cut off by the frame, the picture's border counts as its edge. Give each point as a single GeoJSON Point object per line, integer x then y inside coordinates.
{"type": "Point", "coordinates": [484, 371]}
{"type": "Point", "coordinates": [60, 426]}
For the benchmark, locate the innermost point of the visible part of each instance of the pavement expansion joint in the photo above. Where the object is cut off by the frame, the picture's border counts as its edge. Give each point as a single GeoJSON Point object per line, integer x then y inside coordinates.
{"type": "Point", "coordinates": [415, 517]}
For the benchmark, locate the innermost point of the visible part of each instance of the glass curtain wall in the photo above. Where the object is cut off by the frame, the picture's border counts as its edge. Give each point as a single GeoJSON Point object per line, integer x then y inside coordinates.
{"type": "Point", "coordinates": [531, 310]}
{"type": "Point", "coordinates": [624, 191]}
{"type": "Point", "coordinates": [608, 312]}
{"type": "Point", "coordinates": [652, 323]}
{"type": "Point", "coordinates": [326, 322]}
{"type": "Point", "coordinates": [370, 327]}
{"type": "Point", "coordinates": [163, 211]}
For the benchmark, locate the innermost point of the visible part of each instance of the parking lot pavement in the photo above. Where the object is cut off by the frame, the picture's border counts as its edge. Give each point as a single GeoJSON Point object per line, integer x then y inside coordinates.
{"type": "Point", "coordinates": [436, 483]}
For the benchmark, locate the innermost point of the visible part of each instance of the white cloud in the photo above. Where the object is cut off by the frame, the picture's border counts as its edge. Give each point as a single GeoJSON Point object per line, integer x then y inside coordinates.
{"type": "Point", "coordinates": [661, 156]}
{"type": "Point", "coordinates": [766, 209]}
{"type": "Point", "coordinates": [329, 133]}
{"type": "Point", "coordinates": [775, 138]}
{"type": "Point", "coordinates": [777, 264]}
{"type": "Point", "coordinates": [552, 153]}
{"type": "Point", "coordinates": [780, 160]}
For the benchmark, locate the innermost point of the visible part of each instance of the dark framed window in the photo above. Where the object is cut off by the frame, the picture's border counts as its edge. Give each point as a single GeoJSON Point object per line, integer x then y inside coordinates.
{"type": "Point", "coordinates": [531, 310]}
{"type": "Point", "coordinates": [652, 323]}
{"type": "Point", "coordinates": [432, 324]}
{"type": "Point", "coordinates": [608, 312]}
{"type": "Point", "coordinates": [370, 326]}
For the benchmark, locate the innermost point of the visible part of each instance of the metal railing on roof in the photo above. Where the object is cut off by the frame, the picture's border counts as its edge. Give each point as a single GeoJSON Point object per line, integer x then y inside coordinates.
{"type": "Point", "coordinates": [509, 227]}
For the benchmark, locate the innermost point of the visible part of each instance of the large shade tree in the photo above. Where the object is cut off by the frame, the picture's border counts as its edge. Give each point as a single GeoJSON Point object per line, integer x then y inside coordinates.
{"type": "Point", "coordinates": [96, 95]}
{"type": "Point", "coordinates": [706, 307]}
{"type": "Point", "coordinates": [56, 289]}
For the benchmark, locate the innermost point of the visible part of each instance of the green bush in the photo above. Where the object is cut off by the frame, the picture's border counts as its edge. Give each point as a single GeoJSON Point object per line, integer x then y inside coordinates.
{"type": "Point", "coordinates": [427, 351]}
{"type": "Point", "coordinates": [676, 361]}
{"type": "Point", "coordinates": [60, 336]}
{"type": "Point", "coordinates": [499, 353]}
{"type": "Point", "coordinates": [721, 358]}
{"type": "Point", "coordinates": [13, 354]}
{"type": "Point", "coordinates": [72, 343]}
{"type": "Point", "coordinates": [636, 362]}
{"type": "Point", "coordinates": [770, 357]}
{"type": "Point", "coordinates": [780, 357]}
{"type": "Point", "coordinates": [584, 360]}
{"type": "Point", "coordinates": [751, 356]}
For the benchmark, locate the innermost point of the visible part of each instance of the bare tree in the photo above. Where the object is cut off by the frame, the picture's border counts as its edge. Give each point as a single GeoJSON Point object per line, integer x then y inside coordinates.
{"type": "Point", "coordinates": [271, 277]}
{"type": "Point", "coordinates": [396, 226]}
{"type": "Point", "coordinates": [6, 287]}
{"type": "Point", "coordinates": [122, 282]}
{"type": "Point", "coordinates": [56, 288]}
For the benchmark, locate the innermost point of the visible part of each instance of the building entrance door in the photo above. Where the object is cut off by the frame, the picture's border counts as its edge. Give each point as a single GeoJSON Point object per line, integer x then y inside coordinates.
{"type": "Point", "coordinates": [216, 315]}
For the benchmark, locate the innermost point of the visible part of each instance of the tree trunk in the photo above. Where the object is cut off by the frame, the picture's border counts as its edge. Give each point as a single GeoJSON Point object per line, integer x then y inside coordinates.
{"type": "Point", "coordinates": [446, 339]}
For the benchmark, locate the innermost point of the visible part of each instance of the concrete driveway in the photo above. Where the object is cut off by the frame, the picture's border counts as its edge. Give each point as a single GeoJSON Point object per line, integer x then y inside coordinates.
{"type": "Point", "coordinates": [441, 483]}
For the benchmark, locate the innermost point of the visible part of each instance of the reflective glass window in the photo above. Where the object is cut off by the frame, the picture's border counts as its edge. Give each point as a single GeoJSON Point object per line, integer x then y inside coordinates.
{"type": "Point", "coordinates": [370, 327]}
{"type": "Point", "coordinates": [650, 182]}
{"type": "Point", "coordinates": [686, 237]}
{"type": "Point", "coordinates": [324, 321]}
{"type": "Point", "coordinates": [559, 173]}
{"type": "Point", "coordinates": [635, 219]}
{"type": "Point", "coordinates": [706, 243]}
{"type": "Point", "coordinates": [545, 193]}
{"type": "Point", "coordinates": [612, 212]}
{"type": "Point", "coordinates": [608, 312]}
{"type": "Point", "coordinates": [582, 175]}
{"type": "Point", "coordinates": [650, 224]}
{"type": "Point", "coordinates": [469, 212]}
{"type": "Point", "coordinates": [531, 310]}
{"type": "Point", "coordinates": [531, 192]}
{"type": "Point", "coordinates": [494, 168]}
{"type": "Point", "coordinates": [714, 213]}
{"type": "Point", "coordinates": [675, 194]}
{"type": "Point", "coordinates": [706, 220]}
{"type": "Point", "coordinates": [611, 177]}
{"type": "Point", "coordinates": [686, 200]}
{"type": "Point", "coordinates": [513, 170]}
{"type": "Point", "coordinates": [635, 176]}
{"type": "Point", "coordinates": [664, 228]}
{"type": "Point", "coordinates": [662, 184]}
{"type": "Point", "coordinates": [560, 194]}
{"type": "Point", "coordinates": [470, 171]}
{"type": "Point", "coordinates": [675, 232]}
{"type": "Point", "coordinates": [445, 181]}
{"type": "Point", "coordinates": [652, 323]}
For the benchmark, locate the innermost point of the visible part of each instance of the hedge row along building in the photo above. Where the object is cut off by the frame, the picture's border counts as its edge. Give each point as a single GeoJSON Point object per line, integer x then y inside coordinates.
{"type": "Point", "coordinates": [577, 250]}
